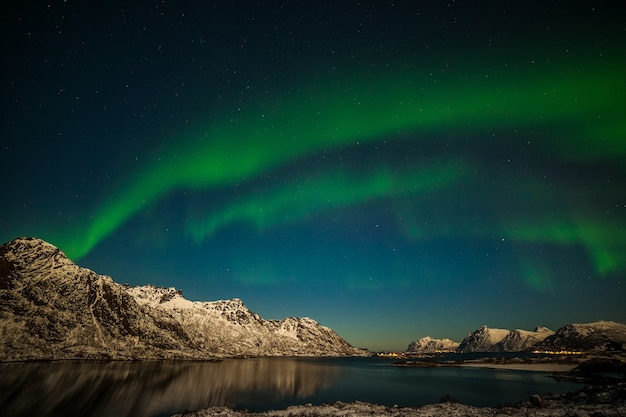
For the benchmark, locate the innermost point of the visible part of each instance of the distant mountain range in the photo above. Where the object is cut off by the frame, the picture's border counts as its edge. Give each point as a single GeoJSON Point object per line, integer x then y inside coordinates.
{"type": "Point", "coordinates": [50, 308]}
{"type": "Point", "coordinates": [597, 336]}
{"type": "Point", "coordinates": [502, 340]}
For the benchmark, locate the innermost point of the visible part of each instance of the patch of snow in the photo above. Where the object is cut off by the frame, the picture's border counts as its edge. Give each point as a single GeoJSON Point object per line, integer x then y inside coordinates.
{"type": "Point", "coordinates": [496, 335]}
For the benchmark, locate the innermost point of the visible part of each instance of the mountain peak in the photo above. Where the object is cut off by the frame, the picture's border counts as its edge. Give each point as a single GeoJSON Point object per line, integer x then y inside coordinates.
{"type": "Point", "coordinates": [25, 261]}
{"type": "Point", "coordinates": [429, 345]}
{"type": "Point", "coordinates": [541, 329]}
{"type": "Point", "coordinates": [26, 249]}
{"type": "Point", "coordinates": [482, 339]}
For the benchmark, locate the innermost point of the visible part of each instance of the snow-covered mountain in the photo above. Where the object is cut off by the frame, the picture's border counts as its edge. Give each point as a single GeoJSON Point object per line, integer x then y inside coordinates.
{"type": "Point", "coordinates": [482, 340]}
{"type": "Point", "coordinates": [599, 335]}
{"type": "Point", "coordinates": [50, 308]}
{"type": "Point", "coordinates": [519, 339]}
{"type": "Point", "coordinates": [430, 345]}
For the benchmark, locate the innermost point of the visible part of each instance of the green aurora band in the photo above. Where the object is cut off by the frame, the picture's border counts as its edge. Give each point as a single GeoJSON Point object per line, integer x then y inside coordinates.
{"type": "Point", "coordinates": [297, 201]}
{"type": "Point", "coordinates": [584, 104]}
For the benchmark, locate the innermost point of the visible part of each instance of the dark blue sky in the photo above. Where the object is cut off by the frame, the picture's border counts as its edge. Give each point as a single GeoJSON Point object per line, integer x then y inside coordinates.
{"type": "Point", "coordinates": [390, 169]}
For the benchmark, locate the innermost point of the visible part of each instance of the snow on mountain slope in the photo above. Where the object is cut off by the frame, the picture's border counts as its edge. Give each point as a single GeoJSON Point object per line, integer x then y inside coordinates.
{"type": "Point", "coordinates": [482, 340]}
{"type": "Point", "coordinates": [519, 339]}
{"type": "Point", "coordinates": [430, 345]}
{"type": "Point", "coordinates": [50, 308]}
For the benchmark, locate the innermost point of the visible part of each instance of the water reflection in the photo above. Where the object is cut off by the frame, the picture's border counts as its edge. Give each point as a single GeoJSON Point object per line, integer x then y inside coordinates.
{"type": "Point", "coordinates": [165, 388]}
{"type": "Point", "coordinates": [154, 388]}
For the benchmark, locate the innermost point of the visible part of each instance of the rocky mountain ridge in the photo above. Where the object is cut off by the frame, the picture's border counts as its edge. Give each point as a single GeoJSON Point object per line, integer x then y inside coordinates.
{"type": "Point", "coordinates": [588, 337]}
{"type": "Point", "coordinates": [50, 308]}
{"type": "Point", "coordinates": [597, 336]}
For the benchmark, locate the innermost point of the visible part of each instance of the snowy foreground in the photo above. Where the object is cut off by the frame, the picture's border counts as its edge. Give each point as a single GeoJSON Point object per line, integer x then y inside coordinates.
{"type": "Point", "coordinates": [593, 401]}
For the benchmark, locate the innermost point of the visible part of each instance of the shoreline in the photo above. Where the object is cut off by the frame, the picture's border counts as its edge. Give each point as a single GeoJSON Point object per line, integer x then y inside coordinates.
{"type": "Point", "coordinates": [517, 364]}
{"type": "Point", "coordinates": [593, 400]}
{"type": "Point", "coordinates": [540, 367]}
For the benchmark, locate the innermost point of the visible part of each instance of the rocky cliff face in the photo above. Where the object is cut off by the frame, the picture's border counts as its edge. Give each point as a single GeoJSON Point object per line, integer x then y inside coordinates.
{"type": "Point", "coordinates": [597, 336]}
{"type": "Point", "coordinates": [51, 308]}
{"type": "Point", "coordinates": [482, 340]}
{"type": "Point", "coordinates": [519, 339]}
{"type": "Point", "coordinates": [429, 345]}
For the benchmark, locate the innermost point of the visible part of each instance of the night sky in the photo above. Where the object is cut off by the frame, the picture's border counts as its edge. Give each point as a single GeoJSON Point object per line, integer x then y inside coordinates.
{"type": "Point", "coordinates": [390, 169]}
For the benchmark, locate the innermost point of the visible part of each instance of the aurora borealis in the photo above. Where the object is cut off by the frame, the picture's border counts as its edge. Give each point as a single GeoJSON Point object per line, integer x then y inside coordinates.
{"type": "Point", "coordinates": [390, 170]}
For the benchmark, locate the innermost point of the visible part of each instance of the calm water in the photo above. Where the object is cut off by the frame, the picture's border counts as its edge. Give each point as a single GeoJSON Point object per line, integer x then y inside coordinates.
{"type": "Point", "coordinates": [165, 388]}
